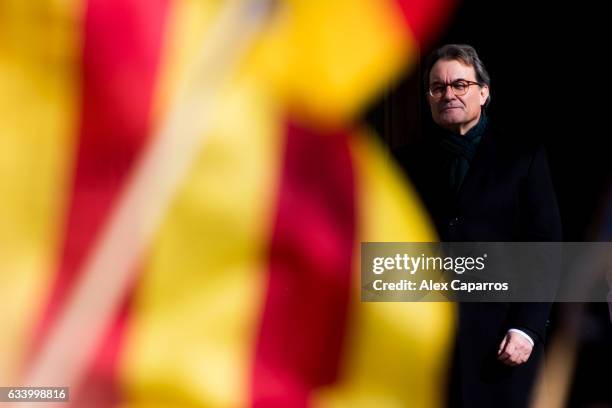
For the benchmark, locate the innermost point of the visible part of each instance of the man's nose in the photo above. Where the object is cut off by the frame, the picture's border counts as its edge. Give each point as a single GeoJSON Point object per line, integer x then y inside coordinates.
{"type": "Point", "coordinates": [448, 94]}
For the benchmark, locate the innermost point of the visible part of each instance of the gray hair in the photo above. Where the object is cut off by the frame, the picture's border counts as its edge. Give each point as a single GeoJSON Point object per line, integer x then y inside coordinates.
{"type": "Point", "coordinates": [463, 53]}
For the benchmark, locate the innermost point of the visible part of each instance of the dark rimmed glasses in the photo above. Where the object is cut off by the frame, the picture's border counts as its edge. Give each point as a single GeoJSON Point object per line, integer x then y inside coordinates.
{"type": "Point", "coordinates": [459, 87]}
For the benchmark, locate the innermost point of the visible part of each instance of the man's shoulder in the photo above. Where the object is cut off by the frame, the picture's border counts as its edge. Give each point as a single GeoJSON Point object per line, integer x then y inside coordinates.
{"type": "Point", "coordinates": [515, 142]}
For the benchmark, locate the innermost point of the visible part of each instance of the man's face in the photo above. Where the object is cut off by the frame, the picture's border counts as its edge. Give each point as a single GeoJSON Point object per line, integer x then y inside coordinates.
{"type": "Point", "coordinates": [456, 113]}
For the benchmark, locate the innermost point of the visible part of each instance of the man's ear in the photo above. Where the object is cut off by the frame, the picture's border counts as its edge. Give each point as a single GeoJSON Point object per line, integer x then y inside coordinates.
{"type": "Point", "coordinates": [484, 95]}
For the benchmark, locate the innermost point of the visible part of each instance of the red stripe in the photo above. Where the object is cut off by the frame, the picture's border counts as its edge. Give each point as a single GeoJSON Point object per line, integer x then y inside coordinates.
{"type": "Point", "coordinates": [426, 18]}
{"type": "Point", "coordinates": [119, 63]}
{"type": "Point", "coordinates": [304, 317]}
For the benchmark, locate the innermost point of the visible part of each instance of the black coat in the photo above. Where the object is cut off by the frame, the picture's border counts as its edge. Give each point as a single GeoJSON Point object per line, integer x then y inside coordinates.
{"type": "Point", "coordinates": [507, 195]}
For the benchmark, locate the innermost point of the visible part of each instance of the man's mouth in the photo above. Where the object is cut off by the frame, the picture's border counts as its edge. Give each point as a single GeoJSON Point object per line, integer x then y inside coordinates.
{"type": "Point", "coordinates": [447, 108]}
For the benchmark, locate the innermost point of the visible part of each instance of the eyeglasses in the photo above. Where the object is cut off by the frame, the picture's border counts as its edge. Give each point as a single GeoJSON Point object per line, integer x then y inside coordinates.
{"type": "Point", "coordinates": [459, 87]}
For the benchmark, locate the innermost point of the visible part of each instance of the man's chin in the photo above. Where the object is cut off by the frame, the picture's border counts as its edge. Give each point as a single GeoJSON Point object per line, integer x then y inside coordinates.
{"type": "Point", "coordinates": [449, 121]}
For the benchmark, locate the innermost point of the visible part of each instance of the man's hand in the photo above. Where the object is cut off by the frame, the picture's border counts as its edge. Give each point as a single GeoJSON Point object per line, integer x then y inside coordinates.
{"type": "Point", "coordinates": [514, 349]}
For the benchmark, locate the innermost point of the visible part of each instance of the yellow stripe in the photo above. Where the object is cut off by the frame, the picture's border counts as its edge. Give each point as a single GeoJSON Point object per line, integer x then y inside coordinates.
{"type": "Point", "coordinates": [39, 61]}
{"type": "Point", "coordinates": [194, 321]}
{"type": "Point", "coordinates": [329, 58]}
{"type": "Point", "coordinates": [195, 316]}
{"type": "Point", "coordinates": [396, 353]}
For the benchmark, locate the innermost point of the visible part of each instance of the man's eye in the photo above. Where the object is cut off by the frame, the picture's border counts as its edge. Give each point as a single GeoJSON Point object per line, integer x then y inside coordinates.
{"type": "Point", "coordinates": [459, 85]}
{"type": "Point", "coordinates": [438, 89]}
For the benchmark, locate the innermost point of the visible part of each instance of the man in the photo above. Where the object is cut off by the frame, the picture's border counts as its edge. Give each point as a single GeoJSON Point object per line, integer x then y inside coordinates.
{"type": "Point", "coordinates": [483, 184]}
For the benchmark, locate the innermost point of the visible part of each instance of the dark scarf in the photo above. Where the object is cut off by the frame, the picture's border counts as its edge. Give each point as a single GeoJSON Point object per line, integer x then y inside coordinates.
{"type": "Point", "coordinates": [462, 150]}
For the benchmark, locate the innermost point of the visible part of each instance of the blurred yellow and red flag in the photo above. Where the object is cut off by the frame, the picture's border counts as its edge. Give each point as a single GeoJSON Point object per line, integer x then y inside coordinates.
{"type": "Point", "coordinates": [185, 184]}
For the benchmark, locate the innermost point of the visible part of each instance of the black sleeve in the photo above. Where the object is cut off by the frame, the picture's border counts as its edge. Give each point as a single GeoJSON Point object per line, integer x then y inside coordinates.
{"type": "Point", "coordinates": [540, 222]}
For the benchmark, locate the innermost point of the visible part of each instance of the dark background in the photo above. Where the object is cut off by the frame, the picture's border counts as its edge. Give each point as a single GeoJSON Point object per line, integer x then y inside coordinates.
{"type": "Point", "coordinates": [550, 80]}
